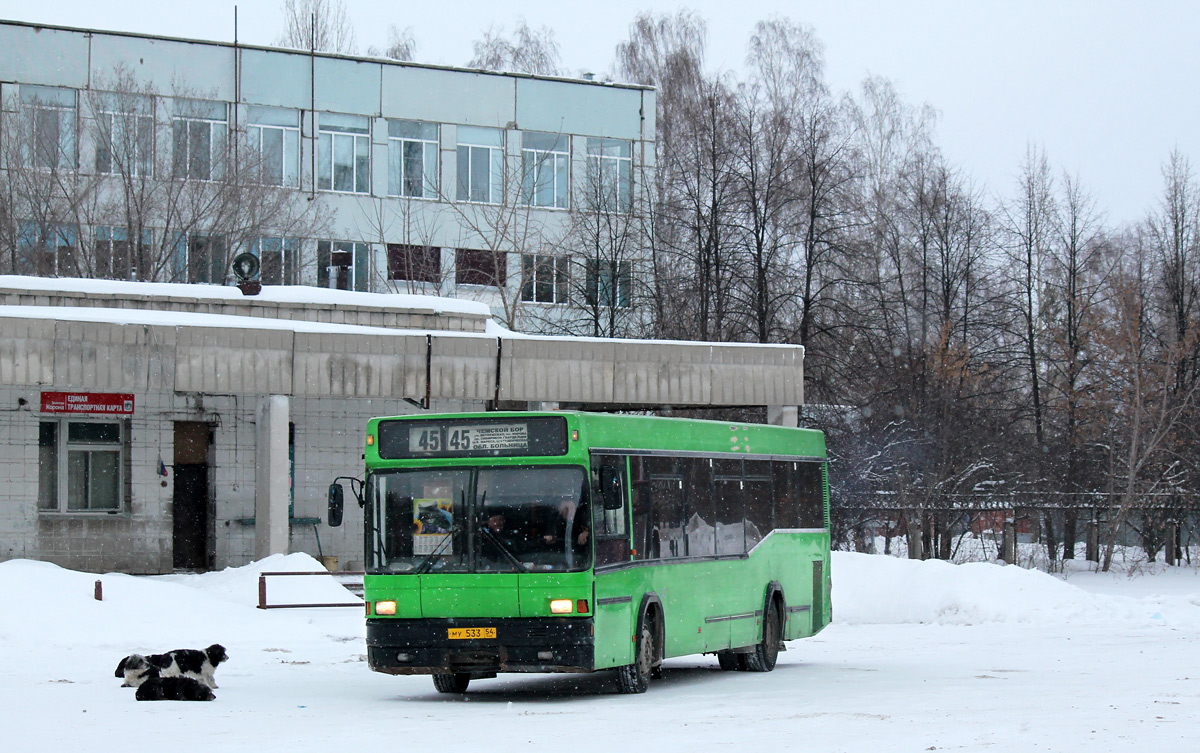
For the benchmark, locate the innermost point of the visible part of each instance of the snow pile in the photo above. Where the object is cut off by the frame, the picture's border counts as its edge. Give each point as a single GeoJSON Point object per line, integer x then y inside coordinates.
{"type": "Point", "coordinates": [56, 607]}
{"type": "Point", "coordinates": [240, 584]}
{"type": "Point", "coordinates": [874, 589]}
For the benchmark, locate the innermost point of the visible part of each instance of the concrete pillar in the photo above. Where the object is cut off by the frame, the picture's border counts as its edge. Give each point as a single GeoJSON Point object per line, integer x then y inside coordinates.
{"type": "Point", "coordinates": [272, 477]}
{"type": "Point", "coordinates": [783, 415]}
{"type": "Point", "coordinates": [1008, 542]}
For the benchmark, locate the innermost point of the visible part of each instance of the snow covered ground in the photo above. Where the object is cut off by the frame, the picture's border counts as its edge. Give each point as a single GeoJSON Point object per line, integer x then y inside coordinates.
{"type": "Point", "coordinates": [921, 656]}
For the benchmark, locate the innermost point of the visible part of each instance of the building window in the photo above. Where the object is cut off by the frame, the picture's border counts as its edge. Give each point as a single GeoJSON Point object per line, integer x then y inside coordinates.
{"type": "Point", "coordinates": [344, 265]}
{"type": "Point", "coordinates": [80, 465]}
{"type": "Point", "coordinates": [474, 267]}
{"type": "Point", "coordinates": [545, 169]}
{"type": "Point", "coordinates": [480, 164]}
{"type": "Point", "coordinates": [199, 131]}
{"type": "Point", "coordinates": [47, 249]}
{"type": "Point", "coordinates": [608, 283]}
{"type": "Point", "coordinates": [344, 153]}
{"type": "Point", "coordinates": [414, 263]}
{"type": "Point", "coordinates": [274, 133]}
{"type": "Point", "coordinates": [201, 259]}
{"type": "Point", "coordinates": [279, 260]}
{"type": "Point", "coordinates": [113, 254]}
{"type": "Point", "coordinates": [412, 159]}
{"type": "Point", "coordinates": [125, 135]}
{"type": "Point", "coordinates": [544, 279]}
{"type": "Point", "coordinates": [610, 174]}
{"type": "Point", "coordinates": [51, 126]}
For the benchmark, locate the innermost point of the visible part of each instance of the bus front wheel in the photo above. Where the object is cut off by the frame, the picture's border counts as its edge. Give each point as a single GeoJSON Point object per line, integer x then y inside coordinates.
{"type": "Point", "coordinates": [451, 683]}
{"type": "Point", "coordinates": [635, 678]}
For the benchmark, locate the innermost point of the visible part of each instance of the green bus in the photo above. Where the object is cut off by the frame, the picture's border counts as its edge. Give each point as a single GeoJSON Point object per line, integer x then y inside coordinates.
{"type": "Point", "coordinates": [576, 542]}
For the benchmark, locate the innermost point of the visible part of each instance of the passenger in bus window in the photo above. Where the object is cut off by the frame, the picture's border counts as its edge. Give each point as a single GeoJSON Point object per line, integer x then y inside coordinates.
{"type": "Point", "coordinates": [572, 519]}
{"type": "Point", "coordinates": [500, 534]}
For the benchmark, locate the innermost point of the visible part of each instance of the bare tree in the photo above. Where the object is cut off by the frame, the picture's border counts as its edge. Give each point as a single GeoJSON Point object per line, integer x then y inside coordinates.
{"type": "Point", "coordinates": [667, 52]}
{"type": "Point", "coordinates": [151, 193]}
{"type": "Point", "coordinates": [528, 51]}
{"type": "Point", "coordinates": [408, 234]}
{"type": "Point", "coordinates": [402, 45]}
{"type": "Point", "coordinates": [1077, 273]}
{"type": "Point", "coordinates": [608, 244]}
{"type": "Point", "coordinates": [1147, 410]}
{"type": "Point", "coordinates": [320, 25]}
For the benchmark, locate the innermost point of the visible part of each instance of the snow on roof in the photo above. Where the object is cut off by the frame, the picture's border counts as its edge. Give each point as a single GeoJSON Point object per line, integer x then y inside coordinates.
{"type": "Point", "coordinates": [283, 294]}
{"type": "Point", "coordinates": [224, 321]}
{"type": "Point", "coordinates": [271, 293]}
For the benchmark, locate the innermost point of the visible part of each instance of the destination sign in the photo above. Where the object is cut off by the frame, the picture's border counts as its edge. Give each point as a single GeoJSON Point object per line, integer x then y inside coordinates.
{"type": "Point", "coordinates": [470, 437]}
{"type": "Point", "coordinates": [501, 437]}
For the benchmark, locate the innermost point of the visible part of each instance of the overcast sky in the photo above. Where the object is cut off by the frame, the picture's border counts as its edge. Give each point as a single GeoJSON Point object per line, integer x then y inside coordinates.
{"type": "Point", "coordinates": [1106, 87]}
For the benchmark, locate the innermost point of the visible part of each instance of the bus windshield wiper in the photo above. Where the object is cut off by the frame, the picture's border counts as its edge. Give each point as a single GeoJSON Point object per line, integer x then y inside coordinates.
{"type": "Point", "coordinates": [508, 555]}
{"type": "Point", "coordinates": [437, 552]}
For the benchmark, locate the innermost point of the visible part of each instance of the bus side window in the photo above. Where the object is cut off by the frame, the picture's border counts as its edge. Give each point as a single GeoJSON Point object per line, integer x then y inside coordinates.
{"type": "Point", "coordinates": [644, 544]}
{"type": "Point", "coordinates": [811, 495]}
{"type": "Point", "coordinates": [757, 489]}
{"type": "Point", "coordinates": [611, 534]}
{"type": "Point", "coordinates": [699, 507]}
{"type": "Point", "coordinates": [787, 513]}
{"type": "Point", "coordinates": [728, 492]}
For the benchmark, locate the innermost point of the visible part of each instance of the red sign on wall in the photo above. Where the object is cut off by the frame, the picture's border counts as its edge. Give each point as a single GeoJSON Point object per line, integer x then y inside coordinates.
{"type": "Point", "coordinates": [108, 403]}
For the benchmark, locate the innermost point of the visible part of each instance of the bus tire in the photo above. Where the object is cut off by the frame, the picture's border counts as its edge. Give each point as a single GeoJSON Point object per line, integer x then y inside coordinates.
{"type": "Point", "coordinates": [767, 652]}
{"type": "Point", "coordinates": [635, 678]}
{"type": "Point", "coordinates": [729, 661]}
{"type": "Point", "coordinates": [451, 683]}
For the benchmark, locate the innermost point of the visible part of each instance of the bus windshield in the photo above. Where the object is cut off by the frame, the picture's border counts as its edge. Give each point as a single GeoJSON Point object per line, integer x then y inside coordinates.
{"type": "Point", "coordinates": [476, 520]}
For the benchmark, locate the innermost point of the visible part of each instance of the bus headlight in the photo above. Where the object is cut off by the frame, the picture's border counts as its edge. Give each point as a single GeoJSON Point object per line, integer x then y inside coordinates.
{"type": "Point", "coordinates": [561, 606]}
{"type": "Point", "coordinates": [385, 607]}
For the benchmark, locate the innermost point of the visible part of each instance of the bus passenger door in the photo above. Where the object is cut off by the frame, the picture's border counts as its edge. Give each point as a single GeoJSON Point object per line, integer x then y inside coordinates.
{"type": "Point", "coordinates": [615, 580]}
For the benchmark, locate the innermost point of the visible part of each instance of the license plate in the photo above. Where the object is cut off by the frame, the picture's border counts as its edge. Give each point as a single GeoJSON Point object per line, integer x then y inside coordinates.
{"type": "Point", "coordinates": [458, 634]}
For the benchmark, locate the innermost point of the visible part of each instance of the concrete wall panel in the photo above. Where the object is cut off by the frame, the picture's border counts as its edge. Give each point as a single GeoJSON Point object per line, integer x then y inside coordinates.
{"type": "Point", "coordinates": [662, 373]}
{"type": "Point", "coordinates": [235, 361]}
{"type": "Point", "coordinates": [464, 367]}
{"type": "Point", "coordinates": [173, 68]}
{"type": "Point", "coordinates": [359, 365]}
{"type": "Point", "coordinates": [562, 107]}
{"type": "Point", "coordinates": [68, 50]}
{"type": "Point", "coordinates": [276, 79]}
{"type": "Point", "coordinates": [26, 351]}
{"type": "Point", "coordinates": [558, 370]}
{"type": "Point", "coordinates": [480, 99]}
{"type": "Point", "coordinates": [350, 86]}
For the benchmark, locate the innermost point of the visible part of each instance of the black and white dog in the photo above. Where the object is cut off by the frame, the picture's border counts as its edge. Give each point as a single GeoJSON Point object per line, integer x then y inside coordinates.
{"type": "Point", "coordinates": [182, 662]}
{"type": "Point", "coordinates": [174, 689]}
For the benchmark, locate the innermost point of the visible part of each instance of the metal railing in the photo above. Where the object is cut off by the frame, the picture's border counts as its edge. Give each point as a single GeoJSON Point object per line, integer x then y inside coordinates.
{"type": "Point", "coordinates": [262, 589]}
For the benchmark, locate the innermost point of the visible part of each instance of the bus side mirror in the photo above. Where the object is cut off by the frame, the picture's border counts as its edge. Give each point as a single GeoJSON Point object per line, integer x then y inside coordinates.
{"type": "Point", "coordinates": [610, 487]}
{"type": "Point", "coordinates": [336, 504]}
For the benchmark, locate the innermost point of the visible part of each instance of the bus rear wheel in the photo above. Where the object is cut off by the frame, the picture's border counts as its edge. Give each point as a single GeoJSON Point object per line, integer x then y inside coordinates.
{"type": "Point", "coordinates": [635, 678]}
{"type": "Point", "coordinates": [766, 653]}
{"type": "Point", "coordinates": [729, 661]}
{"type": "Point", "coordinates": [451, 683]}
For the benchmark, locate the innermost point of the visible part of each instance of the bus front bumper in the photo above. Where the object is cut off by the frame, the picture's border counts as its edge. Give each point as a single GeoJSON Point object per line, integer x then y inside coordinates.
{"type": "Point", "coordinates": [424, 646]}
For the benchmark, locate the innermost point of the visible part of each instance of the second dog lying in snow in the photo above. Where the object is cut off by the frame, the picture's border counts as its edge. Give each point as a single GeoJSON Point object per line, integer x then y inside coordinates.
{"type": "Point", "coordinates": [174, 689]}
{"type": "Point", "coordinates": [182, 662]}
